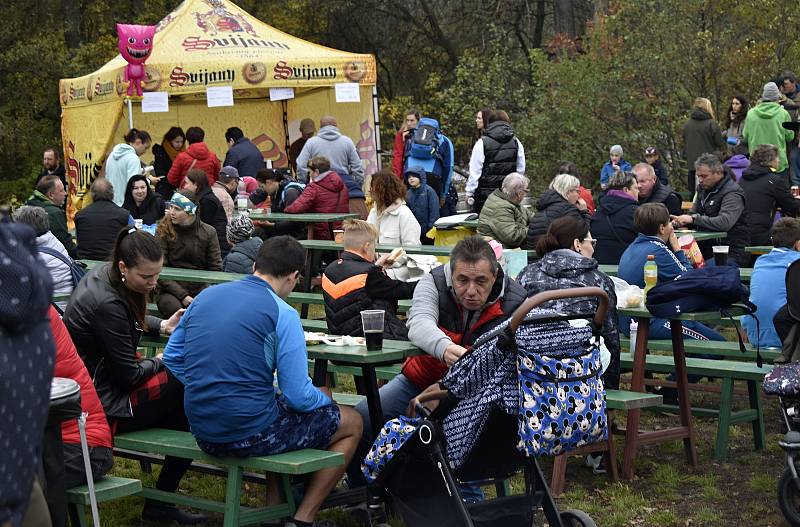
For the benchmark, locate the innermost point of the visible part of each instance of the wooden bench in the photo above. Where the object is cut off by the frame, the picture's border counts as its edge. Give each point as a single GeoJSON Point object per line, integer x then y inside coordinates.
{"type": "Point", "coordinates": [615, 400]}
{"type": "Point", "coordinates": [728, 349]}
{"type": "Point", "coordinates": [317, 299]}
{"type": "Point", "coordinates": [183, 445]}
{"type": "Point", "coordinates": [107, 488]}
{"type": "Point", "coordinates": [728, 371]}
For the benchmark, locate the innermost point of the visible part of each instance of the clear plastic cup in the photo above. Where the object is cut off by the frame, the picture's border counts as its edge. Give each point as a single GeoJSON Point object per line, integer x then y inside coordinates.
{"type": "Point", "coordinates": [372, 323]}
{"type": "Point", "coordinates": [720, 254]}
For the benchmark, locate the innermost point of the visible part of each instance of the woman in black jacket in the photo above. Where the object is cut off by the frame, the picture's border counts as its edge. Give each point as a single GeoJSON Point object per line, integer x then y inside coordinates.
{"type": "Point", "coordinates": [209, 209]}
{"type": "Point", "coordinates": [561, 199]}
{"type": "Point", "coordinates": [174, 143]}
{"type": "Point", "coordinates": [764, 192]}
{"type": "Point", "coordinates": [142, 202]}
{"type": "Point", "coordinates": [612, 223]}
{"type": "Point", "coordinates": [106, 316]}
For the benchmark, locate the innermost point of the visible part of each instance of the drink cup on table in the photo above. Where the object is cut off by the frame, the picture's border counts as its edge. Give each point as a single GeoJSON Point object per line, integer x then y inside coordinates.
{"type": "Point", "coordinates": [372, 323]}
{"type": "Point", "coordinates": [241, 203]}
{"type": "Point", "coordinates": [338, 235]}
{"type": "Point", "coordinates": [720, 254]}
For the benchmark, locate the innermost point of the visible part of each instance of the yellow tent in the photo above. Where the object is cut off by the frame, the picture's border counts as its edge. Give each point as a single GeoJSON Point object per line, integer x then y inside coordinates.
{"type": "Point", "coordinates": [208, 43]}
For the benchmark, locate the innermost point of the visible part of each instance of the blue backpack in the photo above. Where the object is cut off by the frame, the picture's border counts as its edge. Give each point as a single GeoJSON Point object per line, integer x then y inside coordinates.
{"type": "Point", "coordinates": [75, 269]}
{"type": "Point", "coordinates": [291, 184]}
{"type": "Point", "coordinates": [432, 151]}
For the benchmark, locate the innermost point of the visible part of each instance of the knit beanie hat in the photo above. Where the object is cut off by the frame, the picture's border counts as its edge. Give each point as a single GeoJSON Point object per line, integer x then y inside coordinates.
{"type": "Point", "coordinates": [616, 149]}
{"type": "Point", "coordinates": [771, 92]}
{"type": "Point", "coordinates": [182, 202]}
{"type": "Point", "coordinates": [240, 229]}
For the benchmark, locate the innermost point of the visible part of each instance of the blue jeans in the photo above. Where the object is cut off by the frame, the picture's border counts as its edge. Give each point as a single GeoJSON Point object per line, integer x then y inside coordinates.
{"type": "Point", "coordinates": [395, 396]}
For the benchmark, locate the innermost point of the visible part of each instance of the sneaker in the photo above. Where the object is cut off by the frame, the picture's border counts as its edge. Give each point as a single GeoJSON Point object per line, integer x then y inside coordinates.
{"type": "Point", "coordinates": [593, 462]}
{"type": "Point", "coordinates": [167, 513]}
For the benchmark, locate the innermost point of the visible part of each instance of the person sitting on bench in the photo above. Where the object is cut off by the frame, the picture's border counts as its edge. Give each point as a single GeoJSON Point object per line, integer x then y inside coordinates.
{"type": "Point", "coordinates": [227, 360]}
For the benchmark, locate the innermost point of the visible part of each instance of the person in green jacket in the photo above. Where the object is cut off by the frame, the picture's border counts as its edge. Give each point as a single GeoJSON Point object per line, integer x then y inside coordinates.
{"type": "Point", "coordinates": [50, 196]}
{"type": "Point", "coordinates": [763, 126]}
{"type": "Point", "coordinates": [502, 216]}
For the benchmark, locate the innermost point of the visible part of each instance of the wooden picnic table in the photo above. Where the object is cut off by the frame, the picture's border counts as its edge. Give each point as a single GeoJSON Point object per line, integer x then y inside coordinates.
{"type": "Point", "coordinates": [185, 275]}
{"type": "Point", "coordinates": [701, 235]}
{"type": "Point", "coordinates": [745, 273]}
{"type": "Point", "coordinates": [634, 437]}
{"type": "Point", "coordinates": [759, 249]}
{"type": "Point", "coordinates": [435, 250]}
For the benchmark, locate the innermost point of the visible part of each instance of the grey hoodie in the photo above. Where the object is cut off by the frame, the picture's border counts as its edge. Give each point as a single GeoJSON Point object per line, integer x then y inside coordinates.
{"type": "Point", "coordinates": [339, 149]}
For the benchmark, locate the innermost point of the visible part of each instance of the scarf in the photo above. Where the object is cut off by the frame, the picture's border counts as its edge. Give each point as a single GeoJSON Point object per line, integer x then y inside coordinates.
{"type": "Point", "coordinates": [170, 150]}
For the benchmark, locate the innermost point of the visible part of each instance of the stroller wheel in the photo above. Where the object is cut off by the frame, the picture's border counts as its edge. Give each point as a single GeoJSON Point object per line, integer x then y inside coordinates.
{"type": "Point", "coordinates": [789, 498]}
{"type": "Point", "coordinates": [576, 518]}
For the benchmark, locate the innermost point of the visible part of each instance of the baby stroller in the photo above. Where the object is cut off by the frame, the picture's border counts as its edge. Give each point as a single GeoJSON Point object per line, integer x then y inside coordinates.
{"type": "Point", "coordinates": [480, 432]}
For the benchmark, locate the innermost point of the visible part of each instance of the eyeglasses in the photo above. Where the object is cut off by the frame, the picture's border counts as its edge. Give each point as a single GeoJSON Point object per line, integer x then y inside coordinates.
{"type": "Point", "coordinates": [590, 240]}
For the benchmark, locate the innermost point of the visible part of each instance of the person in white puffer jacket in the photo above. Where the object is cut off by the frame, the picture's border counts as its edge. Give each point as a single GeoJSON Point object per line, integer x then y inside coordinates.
{"type": "Point", "coordinates": [59, 271]}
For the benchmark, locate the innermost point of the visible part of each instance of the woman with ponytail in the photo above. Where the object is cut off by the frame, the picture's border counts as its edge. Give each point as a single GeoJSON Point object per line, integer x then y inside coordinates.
{"type": "Point", "coordinates": [106, 316]}
{"type": "Point", "coordinates": [566, 261]}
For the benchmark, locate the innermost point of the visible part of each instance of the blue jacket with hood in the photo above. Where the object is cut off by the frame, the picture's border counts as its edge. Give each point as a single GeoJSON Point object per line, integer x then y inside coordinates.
{"type": "Point", "coordinates": [422, 201]}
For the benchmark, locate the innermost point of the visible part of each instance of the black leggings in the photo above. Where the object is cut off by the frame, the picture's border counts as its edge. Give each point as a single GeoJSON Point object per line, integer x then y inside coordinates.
{"type": "Point", "coordinates": [164, 412]}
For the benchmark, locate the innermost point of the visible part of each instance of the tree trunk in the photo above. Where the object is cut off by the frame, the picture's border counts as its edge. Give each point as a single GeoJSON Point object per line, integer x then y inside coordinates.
{"type": "Point", "coordinates": [565, 17]}
{"type": "Point", "coordinates": [538, 27]}
{"type": "Point", "coordinates": [72, 23]}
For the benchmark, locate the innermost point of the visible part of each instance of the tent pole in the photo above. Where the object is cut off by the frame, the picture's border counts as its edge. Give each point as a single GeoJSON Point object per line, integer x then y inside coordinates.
{"type": "Point", "coordinates": [130, 114]}
{"type": "Point", "coordinates": [377, 124]}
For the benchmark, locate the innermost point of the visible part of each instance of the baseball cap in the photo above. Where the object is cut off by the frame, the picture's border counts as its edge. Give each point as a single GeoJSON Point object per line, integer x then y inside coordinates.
{"type": "Point", "coordinates": [229, 172]}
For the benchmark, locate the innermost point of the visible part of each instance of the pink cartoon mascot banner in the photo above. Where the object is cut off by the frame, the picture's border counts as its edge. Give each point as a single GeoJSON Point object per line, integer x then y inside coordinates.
{"type": "Point", "coordinates": [135, 45]}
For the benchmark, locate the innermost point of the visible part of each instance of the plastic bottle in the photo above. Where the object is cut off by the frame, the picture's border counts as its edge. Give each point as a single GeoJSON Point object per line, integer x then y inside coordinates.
{"type": "Point", "coordinates": [634, 329]}
{"type": "Point", "coordinates": [650, 273]}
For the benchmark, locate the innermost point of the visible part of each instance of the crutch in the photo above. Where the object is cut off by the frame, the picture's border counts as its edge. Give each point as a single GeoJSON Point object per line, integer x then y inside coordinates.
{"type": "Point", "coordinates": [88, 467]}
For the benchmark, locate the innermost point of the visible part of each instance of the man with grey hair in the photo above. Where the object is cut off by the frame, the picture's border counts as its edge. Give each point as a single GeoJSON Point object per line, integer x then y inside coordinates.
{"type": "Point", "coordinates": [48, 246]}
{"type": "Point", "coordinates": [50, 195]}
{"type": "Point", "coordinates": [97, 225]}
{"type": "Point", "coordinates": [719, 206]}
{"type": "Point", "coordinates": [652, 190]}
{"type": "Point", "coordinates": [503, 217]}
{"type": "Point", "coordinates": [341, 152]}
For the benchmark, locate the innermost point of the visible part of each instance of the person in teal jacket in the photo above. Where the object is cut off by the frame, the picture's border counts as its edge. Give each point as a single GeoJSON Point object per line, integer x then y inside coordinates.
{"type": "Point", "coordinates": [123, 162]}
{"type": "Point", "coordinates": [768, 284]}
{"type": "Point", "coordinates": [764, 125]}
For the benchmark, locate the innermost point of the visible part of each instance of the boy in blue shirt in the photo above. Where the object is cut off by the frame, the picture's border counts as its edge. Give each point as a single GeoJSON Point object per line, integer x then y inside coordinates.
{"type": "Point", "coordinates": [227, 360]}
{"type": "Point", "coordinates": [614, 164]}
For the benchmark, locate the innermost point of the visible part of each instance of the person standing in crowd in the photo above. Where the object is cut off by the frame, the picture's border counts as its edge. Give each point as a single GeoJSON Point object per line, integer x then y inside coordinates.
{"type": "Point", "coordinates": [307, 131]}
{"type": "Point", "coordinates": [566, 252]}
{"type": "Point", "coordinates": [481, 119]}
{"type": "Point", "coordinates": [765, 191]}
{"type": "Point", "coordinates": [50, 196]}
{"type": "Point", "coordinates": [720, 206]}
{"type": "Point", "coordinates": [48, 248]}
{"type": "Point", "coordinates": [51, 166]}
{"type": "Point", "coordinates": [187, 243]}
{"type": "Point", "coordinates": [325, 193]}
{"type": "Point", "coordinates": [123, 162]}
{"type": "Point", "coordinates": [735, 118]}
{"type": "Point", "coordinates": [701, 135]}
{"type": "Point", "coordinates": [341, 153]}
{"type": "Point", "coordinates": [503, 218]}
{"type": "Point", "coordinates": [391, 217]}
{"type": "Point", "coordinates": [496, 155]}
{"type": "Point", "coordinates": [612, 224]}
{"type": "Point", "coordinates": [97, 226]}
{"type": "Point", "coordinates": [568, 167]}
{"type": "Point", "coordinates": [653, 158]}
{"type": "Point", "coordinates": [561, 199]}
{"type": "Point", "coordinates": [401, 138]}
{"type": "Point", "coordinates": [142, 203]}
{"type": "Point", "coordinates": [282, 193]}
{"type": "Point", "coordinates": [242, 154]}
{"type": "Point", "coordinates": [356, 282]}
{"type": "Point", "coordinates": [164, 155]}
{"type": "Point", "coordinates": [737, 160]}
{"type": "Point", "coordinates": [209, 209]}
{"type": "Point", "coordinates": [616, 163]}
{"type": "Point", "coordinates": [105, 317]}
{"type": "Point", "coordinates": [791, 103]}
{"type": "Point", "coordinates": [244, 247]}
{"type": "Point", "coordinates": [422, 200]}
{"type": "Point", "coordinates": [225, 189]}
{"type": "Point", "coordinates": [196, 157]}
{"type": "Point", "coordinates": [231, 401]}
{"type": "Point", "coordinates": [651, 190]}
{"type": "Point", "coordinates": [764, 126]}
{"type": "Point", "coordinates": [26, 343]}
{"type": "Point", "coordinates": [768, 283]}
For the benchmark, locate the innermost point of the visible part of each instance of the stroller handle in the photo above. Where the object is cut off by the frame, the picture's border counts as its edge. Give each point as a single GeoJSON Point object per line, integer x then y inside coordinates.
{"type": "Point", "coordinates": [557, 294]}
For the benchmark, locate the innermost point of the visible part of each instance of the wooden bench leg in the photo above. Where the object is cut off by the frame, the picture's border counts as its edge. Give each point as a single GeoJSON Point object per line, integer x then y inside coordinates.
{"type": "Point", "coordinates": [723, 428]}
{"type": "Point", "coordinates": [759, 434]}
{"type": "Point", "coordinates": [631, 440]}
{"type": "Point", "coordinates": [611, 453]}
{"type": "Point", "coordinates": [233, 497]}
{"type": "Point", "coordinates": [559, 474]}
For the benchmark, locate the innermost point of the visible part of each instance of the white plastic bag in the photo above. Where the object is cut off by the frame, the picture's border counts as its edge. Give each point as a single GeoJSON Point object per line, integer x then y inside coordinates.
{"type": "Point", "coordinates": [628, 295]}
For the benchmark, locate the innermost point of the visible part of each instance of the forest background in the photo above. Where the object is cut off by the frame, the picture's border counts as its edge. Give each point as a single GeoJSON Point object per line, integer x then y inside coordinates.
{"type": "Point", "coordinates": [576, 76]}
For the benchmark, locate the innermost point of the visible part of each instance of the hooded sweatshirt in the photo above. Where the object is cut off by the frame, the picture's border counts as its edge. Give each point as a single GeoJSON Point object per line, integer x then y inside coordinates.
{"type": "Point", "coordinates": [701, 135]}
{"type": "Point", "coordinates": [337, 148]}
{"type": "Point", "coordinates": [612, 226]}
{"type": "Point", "coordinates": [121, 165]}
{"type": "Point", "coordinates": [551, 205]}
{"type": "Point", "coordinates": [196, 156]}
{"type": "Point", "coordinates": [737, 164]}
{"type": "Point", "coordinates": [422, 200]}
{"type": "Point", "coordinates": [326, 193]}
{"type": "Point", "coordinates": [764, 191]}
{"type": "Point", "coordinates": [763, 126]}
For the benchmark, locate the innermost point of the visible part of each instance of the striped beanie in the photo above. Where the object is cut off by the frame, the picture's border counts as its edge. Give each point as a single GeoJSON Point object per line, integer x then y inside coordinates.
{"type": "Point", "coordinates": [240, 229]}
{"type": "Point", "coordinates": [182, 202]}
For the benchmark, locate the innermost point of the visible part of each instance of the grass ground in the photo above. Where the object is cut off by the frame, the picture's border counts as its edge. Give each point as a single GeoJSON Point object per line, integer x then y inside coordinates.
{"type": "Point", "coordinates": [664, 493]}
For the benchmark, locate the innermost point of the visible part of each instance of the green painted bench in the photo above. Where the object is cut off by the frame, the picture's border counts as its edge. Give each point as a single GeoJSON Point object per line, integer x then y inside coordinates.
{"type": "Point", "coordinates": [183, 445]}
{"type": "Point", "coordinates": [107, 488]}
{"type": "Point", "coordinates": [728, 349]}
{"type": "Point", "coordinates": [728, 371]}
{"type": "Point", "coordinates": [347, 399]}
{"type": "Point", "coordinates": [296, 297]}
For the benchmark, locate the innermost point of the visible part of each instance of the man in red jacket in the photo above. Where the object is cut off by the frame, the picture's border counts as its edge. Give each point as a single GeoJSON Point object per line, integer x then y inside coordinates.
{"type": "Point", "coordinates": [325, 193]}
{"type": "Point", "coordinates": [400, 140]}
{"type": "Point", "coordinates": [98, 433]}
{"type": "Point", "coordinates": [197, 155]}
